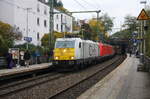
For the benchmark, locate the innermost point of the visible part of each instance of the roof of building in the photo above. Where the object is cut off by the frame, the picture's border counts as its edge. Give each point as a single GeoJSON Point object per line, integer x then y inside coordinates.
{"type": "Point", "coordinates": [46, 3]}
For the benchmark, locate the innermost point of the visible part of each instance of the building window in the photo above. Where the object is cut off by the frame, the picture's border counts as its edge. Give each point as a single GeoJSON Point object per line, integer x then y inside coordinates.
{"type": "Point", "coordinates": [45, 10]}
{"type": "Point", "coordinates": [57, 16]}
{"type": "Point", "coordinates": [38, 8]}
{"type": "Point", "coordinates": [61, 28]}
{"type": "Point", "coordinates": [38, 36]}
{"type": "Point", "coordinates": [61, 18]}
{"type": "Point", "coordinates": [38, 21]}
{"type": "Point", "coordinates": [17, 28]}
{"type": "Point", "coordinates": [45, 23]}
{"type": "Point", "coordinates": [57, 26]}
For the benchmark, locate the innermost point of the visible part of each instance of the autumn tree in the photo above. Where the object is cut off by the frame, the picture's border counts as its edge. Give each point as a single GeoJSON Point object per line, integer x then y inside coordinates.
{"type": "Point", "coordinates": [107, 22]}
{"type": "Point", "coordinates": [86, 32]}
{"type": "Point", "coordinates": [8, 35]}
{"type": "Point", "coordinates": [97, 29]}
{"type": "Point", "coordinates": [100, 27]}
{"type": "Point", "coordinates": [48, 40]}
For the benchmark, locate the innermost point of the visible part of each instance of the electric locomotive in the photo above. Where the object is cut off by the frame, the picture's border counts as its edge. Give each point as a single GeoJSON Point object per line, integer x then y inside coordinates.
{"type": "Point", "coordinates": [70, 52]}
{"type": "Point", "coordinates": [76, 53]}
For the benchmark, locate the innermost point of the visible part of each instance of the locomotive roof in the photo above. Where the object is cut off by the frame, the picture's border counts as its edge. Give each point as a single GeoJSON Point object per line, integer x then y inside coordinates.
{"type": "Point", "coordinates": [69, 39]}
{"type": "Point", "coordinates": [76, 39]}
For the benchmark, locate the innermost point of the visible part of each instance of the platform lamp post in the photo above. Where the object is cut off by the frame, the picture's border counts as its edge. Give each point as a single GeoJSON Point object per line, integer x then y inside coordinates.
{"type": "Point", "coordinates": [51, 27]}
{"type": "Point", "coordinates": [27, 32]}
{"type": "Point", "coordinates": [51, 21]}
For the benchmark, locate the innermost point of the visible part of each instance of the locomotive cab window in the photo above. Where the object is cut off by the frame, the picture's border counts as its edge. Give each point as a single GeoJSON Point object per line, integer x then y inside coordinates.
{"type": "Point", "coordinates": [65, 44]}
{"type": "Point", "coordinates": [80, 45]}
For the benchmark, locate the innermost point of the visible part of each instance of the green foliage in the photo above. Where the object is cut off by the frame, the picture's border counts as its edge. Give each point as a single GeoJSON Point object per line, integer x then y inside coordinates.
{"type": "Point", "coordinates": [86, 31]}
{"type": "Point", "coordinates": [101, 27]}
{"type": "Point", "coordinates": [8, 35]}
{"type": "Point", "coordinates": [32, 48]}
{"type": "Point", "coordinates": [107, 22]}
{"type": "Point", "coordinates": [130, 25]}
{"type": "Point", "coordinates": [47, 41]}
{"type": "Point", "coordinates": [122, 34]}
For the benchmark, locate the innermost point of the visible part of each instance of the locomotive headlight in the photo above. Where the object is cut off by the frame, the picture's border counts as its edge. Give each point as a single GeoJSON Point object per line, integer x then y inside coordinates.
{"type": "Point", "coordinates": [56, 57]}
{"type": "Point", "coordinates": [64, 50]}
{"type": "Point", "coordinates": [72, 57]}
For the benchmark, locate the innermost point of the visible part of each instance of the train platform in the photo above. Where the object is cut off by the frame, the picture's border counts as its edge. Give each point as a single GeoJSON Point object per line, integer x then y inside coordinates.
{"type": "Point", "coordinates": [125, 82]}
{"type": "Point", "coordinates": [23, 69]}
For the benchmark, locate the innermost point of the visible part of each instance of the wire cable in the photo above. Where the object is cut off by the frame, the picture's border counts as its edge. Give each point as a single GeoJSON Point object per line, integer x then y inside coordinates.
{"type": "Point", "coordinates": [80, 4]}
{"type": "Point", "coordinates": [92, 5]}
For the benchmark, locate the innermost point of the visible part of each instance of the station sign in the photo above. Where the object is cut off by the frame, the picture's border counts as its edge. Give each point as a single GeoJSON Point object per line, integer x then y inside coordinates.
{"type": "Point", "coordinates": [143, 15]}
{"type": "Point", "coordinates": [28, 39]}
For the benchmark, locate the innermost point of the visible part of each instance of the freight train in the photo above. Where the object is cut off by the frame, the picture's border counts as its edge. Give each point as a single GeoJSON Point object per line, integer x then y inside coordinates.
{"type": "Point", "coordinates": [75, 53]}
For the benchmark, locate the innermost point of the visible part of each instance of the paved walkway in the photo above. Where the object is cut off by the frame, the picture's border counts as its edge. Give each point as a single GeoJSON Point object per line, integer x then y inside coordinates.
{"type": "Point", "coordinates": [122, 83]}
{"type": "Point", "coordinates": [21, 69]}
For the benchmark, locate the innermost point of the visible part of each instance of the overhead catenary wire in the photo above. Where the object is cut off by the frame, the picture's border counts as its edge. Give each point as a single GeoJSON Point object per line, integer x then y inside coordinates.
{"type": "Point", "coordinates": [80, 4]}
{"type": "Point", "coordinates": [90, 4]}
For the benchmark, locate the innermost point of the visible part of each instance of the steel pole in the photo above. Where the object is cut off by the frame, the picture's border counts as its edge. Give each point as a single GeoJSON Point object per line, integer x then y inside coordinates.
{"type": "Point", "coordinates": [97, 24]}
{"type": "Point", "coordinates": [51, 23]}
{"type": "Point", "coordinates": [27, 45]}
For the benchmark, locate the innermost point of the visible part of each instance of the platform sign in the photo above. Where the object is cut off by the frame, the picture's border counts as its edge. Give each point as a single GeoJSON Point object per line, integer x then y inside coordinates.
{"type": "Point", "coordinates": [28, 39]}
{"type": "Point", "coordinates": [143, 15]}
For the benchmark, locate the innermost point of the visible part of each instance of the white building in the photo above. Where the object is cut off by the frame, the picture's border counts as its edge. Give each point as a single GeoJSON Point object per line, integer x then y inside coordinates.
{"type": "Point", "coordinates": [63, 22]}
{"type": "Point", "coordinates": [31, 17]}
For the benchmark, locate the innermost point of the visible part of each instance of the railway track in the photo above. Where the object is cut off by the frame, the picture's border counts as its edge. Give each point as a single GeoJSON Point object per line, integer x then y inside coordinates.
{"type": "Point", "coordinates": [75, 90]}
{"type": "Point", "coordinates": [53, 85]}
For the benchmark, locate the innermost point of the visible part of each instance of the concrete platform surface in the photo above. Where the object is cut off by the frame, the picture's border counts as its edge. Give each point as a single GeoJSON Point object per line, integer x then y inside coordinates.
{"type": "Point", "coordinates": [125, 82]}
{"type": "Point", "coordinates": [22, 69]}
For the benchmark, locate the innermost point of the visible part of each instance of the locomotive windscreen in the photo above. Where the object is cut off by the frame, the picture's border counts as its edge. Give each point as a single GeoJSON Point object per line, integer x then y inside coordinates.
{"type": "Point", "coordinates": [65, 44]}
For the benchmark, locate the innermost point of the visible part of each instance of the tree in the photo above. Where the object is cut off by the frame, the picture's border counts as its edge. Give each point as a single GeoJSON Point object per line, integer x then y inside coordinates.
{"type": "Point", "coordinates": [46, 39]}
{"type": "Point", "coordinates": [130, 25]}
{"type": "Point", "coordinates": [107, 22]}
{"type": "Point", "coordinates": [8, 35]}
{"type": "Point", "coordinates": [86, 31]}
{"type": "Point", "coordinates": [101, 27]}
{"type": "Point", "coordinates": [97, 29]}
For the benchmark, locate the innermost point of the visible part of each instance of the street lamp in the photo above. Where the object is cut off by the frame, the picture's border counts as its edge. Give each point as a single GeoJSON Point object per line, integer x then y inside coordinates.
{"type": "Point", "coordinates": [27, 47]}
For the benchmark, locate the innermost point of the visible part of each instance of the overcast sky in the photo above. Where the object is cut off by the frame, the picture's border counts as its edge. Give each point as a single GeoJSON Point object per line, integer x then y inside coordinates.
{"type": "Point", "coordinates": [117, 9]}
